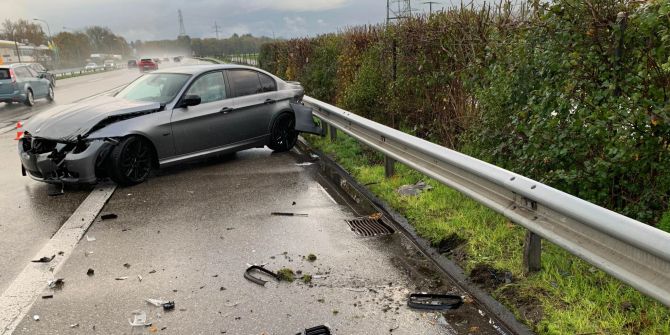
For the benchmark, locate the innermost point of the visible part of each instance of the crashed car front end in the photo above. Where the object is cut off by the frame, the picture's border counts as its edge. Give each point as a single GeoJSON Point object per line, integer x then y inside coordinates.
{"type": "Point", "coordinates": [54, 161]}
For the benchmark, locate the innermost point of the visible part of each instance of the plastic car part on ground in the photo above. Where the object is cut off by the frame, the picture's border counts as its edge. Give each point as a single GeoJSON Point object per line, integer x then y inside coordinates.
{"type": "Point", "coordinates": [318, 330]}
{"type": "Point", "coordinates": [429, 301]}
{"type": "Point", "coordinates": [44, 259]}
{"type": "Point", "coordinates": [251, 269]}
{"type": "Point", "coordinates": [288, 214]}
{"type": "Point", "coordinates": [108, 216]}
{"type": "Point", "coordinates": [139, 319]}
{"type": "Point", "coordinates": [415, 189]}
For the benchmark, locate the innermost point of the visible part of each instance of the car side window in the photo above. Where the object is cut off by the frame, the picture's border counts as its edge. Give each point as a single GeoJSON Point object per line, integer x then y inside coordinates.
{"type": "Point", "coordinates": [267, 83]}
{"type": "Point", "coordinates": [32, 72]}
{"type": "Point", "coordinates": [244, 82]}
{"type": "Point", "coordinates": [210, 87]}
{"type": "Point", "coordinates": [21, 72]}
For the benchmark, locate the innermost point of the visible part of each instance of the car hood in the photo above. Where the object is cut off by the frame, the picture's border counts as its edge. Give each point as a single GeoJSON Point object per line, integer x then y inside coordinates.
{"type": "Point", "coordinates": [65, 123]}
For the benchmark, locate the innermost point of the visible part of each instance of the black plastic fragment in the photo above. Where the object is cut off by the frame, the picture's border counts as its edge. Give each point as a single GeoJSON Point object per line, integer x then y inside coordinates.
{"type": "Point", "coordinates": [44, 259]}
{"type": "Point", "coordinates": [168, 306]}
{"type": "Point", "coordinates": [318, 330]}
{"type": "Point", "coordinates": [108, 216]}
{"type": "Point", "coordinates": [90, 272]}
{"type": "Point", "coordinates": [434, 301]}
{"type": "Point", "coordinates": [249, 277]}
{"type": "Point", "coordinates": [287, 214]}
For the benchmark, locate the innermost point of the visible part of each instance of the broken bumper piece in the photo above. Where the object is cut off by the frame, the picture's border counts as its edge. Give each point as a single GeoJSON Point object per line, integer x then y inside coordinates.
{"type": "Point", "coordinates": [56, 162]}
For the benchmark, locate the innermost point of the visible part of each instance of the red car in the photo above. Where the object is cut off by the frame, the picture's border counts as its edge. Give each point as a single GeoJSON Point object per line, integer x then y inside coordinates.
{"type": "Point", "coordinates": [147, 64]}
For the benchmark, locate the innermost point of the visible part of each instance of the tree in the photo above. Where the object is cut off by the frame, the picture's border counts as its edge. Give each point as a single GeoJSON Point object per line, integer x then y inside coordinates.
{"type": "Point", "coordinates": [23, 31]}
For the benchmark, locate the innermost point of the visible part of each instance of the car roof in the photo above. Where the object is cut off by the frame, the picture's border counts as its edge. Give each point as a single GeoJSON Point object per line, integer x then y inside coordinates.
{"type": "Point", "coordinates": [197, 69]}
{"type": "Point", "coordinates": [14, 65]}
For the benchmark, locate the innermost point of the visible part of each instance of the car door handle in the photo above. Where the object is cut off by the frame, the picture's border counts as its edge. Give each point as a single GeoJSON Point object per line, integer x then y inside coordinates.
{"type": "Point", "coordinates": [270, 101]}
{"type": "Point", "coordinates": [226, 110]}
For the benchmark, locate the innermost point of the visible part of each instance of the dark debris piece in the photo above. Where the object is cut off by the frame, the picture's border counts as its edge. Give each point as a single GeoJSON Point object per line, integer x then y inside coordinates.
{"type": "Point", "coordinates": [318, 330]}
{"type": "Point", "coordinates": [428, 301]}
{"type": "Point", "coordinates": [44, 259]}
{"type": "Point", "coordinates": [109, 216]}
{"type": "Point", "coordinates": [168, 306]}
{"type": "Point", "coordinates": [251, 269]}
{"type": "Point", "coordinates": [90, 272]}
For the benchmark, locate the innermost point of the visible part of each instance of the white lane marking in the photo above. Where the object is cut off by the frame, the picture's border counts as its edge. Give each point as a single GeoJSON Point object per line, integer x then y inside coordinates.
{"type": "Point", "coordinates": [17, 299]}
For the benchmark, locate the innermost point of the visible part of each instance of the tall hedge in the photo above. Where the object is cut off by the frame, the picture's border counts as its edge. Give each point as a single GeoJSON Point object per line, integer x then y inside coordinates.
{"type": "Point", "coordinates": [572, 93]}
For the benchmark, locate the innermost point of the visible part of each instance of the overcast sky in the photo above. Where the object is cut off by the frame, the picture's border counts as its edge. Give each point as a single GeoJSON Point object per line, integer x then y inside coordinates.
{"type": "Point", "coordinates": [157, 19]}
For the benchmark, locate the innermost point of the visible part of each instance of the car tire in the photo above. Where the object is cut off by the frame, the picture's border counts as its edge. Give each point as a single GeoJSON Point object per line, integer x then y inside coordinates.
{"type": "Point", "coordinates": [30, 98]}
{"type": "Point", "coordinates": [50, 94]}
{"type": "Point", "coordinates": [130, 161]}
{"type": "Point", "coordinates": [283, 135]}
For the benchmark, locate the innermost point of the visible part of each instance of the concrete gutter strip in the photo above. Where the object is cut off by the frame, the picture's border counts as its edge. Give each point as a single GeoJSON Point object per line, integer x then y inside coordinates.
{"type": "Point", "coordinates": [32, 281]}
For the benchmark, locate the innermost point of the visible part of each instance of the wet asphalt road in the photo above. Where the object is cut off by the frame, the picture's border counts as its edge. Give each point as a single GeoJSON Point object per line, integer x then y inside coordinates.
{"type": "Point", "coordinates": [189, 233]}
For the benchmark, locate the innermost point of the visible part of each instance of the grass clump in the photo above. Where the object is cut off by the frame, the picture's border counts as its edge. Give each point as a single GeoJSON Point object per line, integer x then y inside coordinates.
{"type": "Point", "coordinates": [311, 257]}
{"type": "Point", "coordinates": [286, 274]}
{"type": "Point", "coordinates": [306, 279]}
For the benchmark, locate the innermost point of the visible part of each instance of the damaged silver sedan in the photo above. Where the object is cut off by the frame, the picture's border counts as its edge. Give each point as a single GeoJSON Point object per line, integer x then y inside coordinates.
{"type": "Point", "coordinates": [164, 118]}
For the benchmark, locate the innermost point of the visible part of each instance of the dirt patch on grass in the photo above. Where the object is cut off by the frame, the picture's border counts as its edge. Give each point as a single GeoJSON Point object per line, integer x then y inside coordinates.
{"type": "Point", "coordinates": [526, 302]}
{"type": "Point", "coordinates": [449, 243]}
{"type": "Point", "coordinates": [489, 277]}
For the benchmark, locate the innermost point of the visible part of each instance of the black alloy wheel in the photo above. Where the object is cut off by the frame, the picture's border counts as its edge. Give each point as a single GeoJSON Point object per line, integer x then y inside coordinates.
{"type": "Point", "coordinates": [130, 161]}
{"type": "Point", "coordinates": [283, 136]}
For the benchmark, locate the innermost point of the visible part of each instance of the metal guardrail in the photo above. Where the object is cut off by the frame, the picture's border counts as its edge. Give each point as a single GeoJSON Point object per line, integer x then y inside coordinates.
{"type": "Point", "coordinates": [80, 71]}
{"type": "Point", "coordinates": [629, 250]}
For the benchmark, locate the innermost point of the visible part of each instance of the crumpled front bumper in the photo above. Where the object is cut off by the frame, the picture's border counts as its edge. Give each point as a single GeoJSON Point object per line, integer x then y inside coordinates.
{"type": "Point", "coordinates": [72, 168]}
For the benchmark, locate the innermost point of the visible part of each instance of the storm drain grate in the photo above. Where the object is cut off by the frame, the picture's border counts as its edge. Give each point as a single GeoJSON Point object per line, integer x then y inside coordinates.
{"type": "Point", "coordinates": [368, 226]}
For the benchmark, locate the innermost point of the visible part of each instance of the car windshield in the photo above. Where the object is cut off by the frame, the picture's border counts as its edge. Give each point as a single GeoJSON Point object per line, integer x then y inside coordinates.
{"type": "Point", "coordinates": [156, 87]}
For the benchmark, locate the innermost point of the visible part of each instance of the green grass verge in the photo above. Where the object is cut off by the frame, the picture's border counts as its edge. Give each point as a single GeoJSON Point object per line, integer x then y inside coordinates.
{"type": "Point", "coordinates": [568, 296]}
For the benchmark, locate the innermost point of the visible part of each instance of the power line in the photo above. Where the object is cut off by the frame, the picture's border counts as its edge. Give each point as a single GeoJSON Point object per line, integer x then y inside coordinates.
{"type": "Point", "coordinates": [430, 5]}
{"type": "Point", "coordinates": [182, 30]}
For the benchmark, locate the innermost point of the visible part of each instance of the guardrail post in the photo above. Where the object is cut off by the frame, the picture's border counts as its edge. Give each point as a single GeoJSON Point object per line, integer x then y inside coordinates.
{"type": "Point", "coordinates": [532, 250]}
{"type": "Point", "coordinates": [389, 166]}
{"type": "Point", "coordinates": [333, 133]}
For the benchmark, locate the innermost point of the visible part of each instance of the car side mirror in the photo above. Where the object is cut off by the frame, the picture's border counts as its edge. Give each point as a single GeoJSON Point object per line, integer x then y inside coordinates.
{"type": "Point", "coordinates": [190, 100]}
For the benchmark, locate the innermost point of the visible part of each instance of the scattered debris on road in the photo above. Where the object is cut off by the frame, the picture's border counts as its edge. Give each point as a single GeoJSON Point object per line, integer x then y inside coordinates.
{"type": "Point", "coordinates": [90, 238]}
{"type": "Point", "coordinates": [44, 259]}
{"type": "Point", "coordinates": [304, 164]}
{"type": "Point", "coordinates": [168, 306]}
{"type": "Point", "coordinates": [318, 330]}
{"type": "Point", "coordinates": [74, 325]}
{"type": "Point", "coordinates": [139, 319]}
{"type": "Point", "coordinates": [127, 266]}
{"type": "Point", "coordinates": [156, 302]}
{"type": "Point", "coordinates": [415, 189]}
{"type": "Point", "coordinates": [259, 281]}
{"type": "Point", "coordinates": [139, 277]}
{"type": "Point", "coordinates": [48, 296]}
{"type": "Point", "coordinates": [90, 272]}
{"type": "Point", "coordinates": [56, 284]}
{"type": "Point", "coordinates": [36, 317]}
{"type": "Point", "coordinates": [120, 278]}
{"type": "Point", "coordinates": [311, 257]}
{"type": "Point", "coordinates": [429, 301]}
{"type": "Point", "coordinates": [109, 216]}
{"type": "Point", "coordinates": [288, 214]}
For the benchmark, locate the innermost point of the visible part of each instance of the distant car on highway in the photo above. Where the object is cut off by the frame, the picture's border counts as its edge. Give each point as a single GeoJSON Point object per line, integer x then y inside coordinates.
{"type": "Point", "coordinates": [164, 118]}
{"type": "Point", "coordinates": [109, 64]}
{"type": "Point", "coordinates": [147, 64]}
{"type": "Point", "coordinates": [43, 72]}
{"type": "Point", "coordinates": [132, 64]}
{"type": "Point", "coordinates": [91, 66]}
{"type": "Point", "coordinates": [20, 83]}
{"type": "Point", "coordinates": [176, 59]}
{"type": "Point", "coordinates": [167, 60]}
